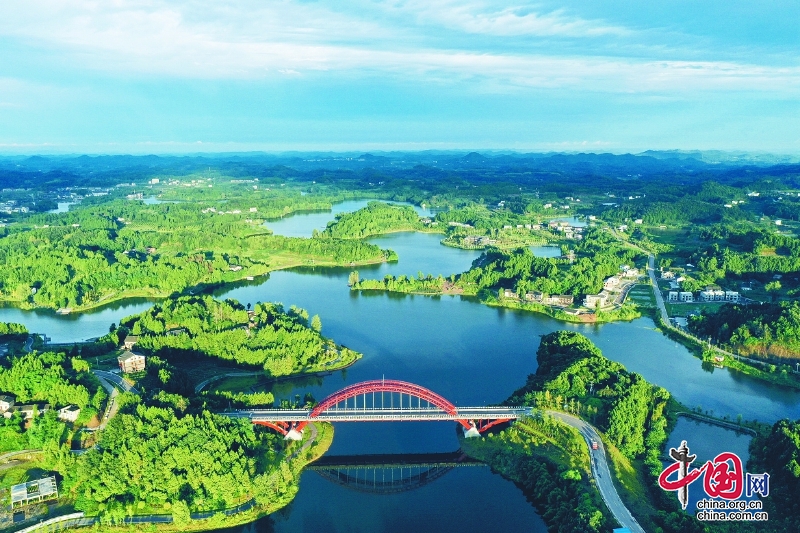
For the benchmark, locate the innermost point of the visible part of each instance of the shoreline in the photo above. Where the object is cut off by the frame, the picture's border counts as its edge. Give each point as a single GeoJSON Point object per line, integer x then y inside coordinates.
{"type": "Point", "coordinates": [189, 291]}
{"type": "Point", "coordinates": [747, 369]}
{"type": "Point", "coordinates": [555, 313]}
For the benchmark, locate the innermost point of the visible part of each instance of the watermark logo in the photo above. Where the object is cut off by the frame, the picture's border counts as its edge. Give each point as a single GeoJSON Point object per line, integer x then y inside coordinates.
{"type": "Point", "coordinates": [723, 478]}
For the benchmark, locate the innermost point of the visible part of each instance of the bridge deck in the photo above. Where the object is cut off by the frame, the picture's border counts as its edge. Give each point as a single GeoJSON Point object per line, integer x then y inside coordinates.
{"type": "Point", "coordinates": [379, 415]}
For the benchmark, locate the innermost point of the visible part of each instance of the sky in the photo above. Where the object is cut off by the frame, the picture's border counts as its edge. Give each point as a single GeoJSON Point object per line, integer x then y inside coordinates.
{"type": "Point", "coordinates": [151, 76]}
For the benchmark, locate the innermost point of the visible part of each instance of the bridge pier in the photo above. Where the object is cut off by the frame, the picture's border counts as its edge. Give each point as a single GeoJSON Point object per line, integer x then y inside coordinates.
{"type": "Point", "coordinates": [472, 432]}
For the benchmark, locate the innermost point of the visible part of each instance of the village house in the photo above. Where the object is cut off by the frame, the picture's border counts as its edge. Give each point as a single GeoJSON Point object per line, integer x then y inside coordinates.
{"type": "Point", "coordinates": [130, 341]}
{"type": "Point", "coordinates": [611, 283]}
{"type": "Point", "coordinates": [6, 402]}
{"type": "Point", "coordinates": [559, 299]}
{"type": "Point", "coordinates": [235, 268]}
{"type": "Point", "coordinates": [632, 273]}
{"type": "Point", "coordinates": [508, 293]}
{"type": "Point", "coordinates": [131, 362]}
{"type": "Point", "coordinates": [731, 296]}
{"type": "Point", "coordinates": [686, 296]}
{"type": "Point", "coordinates": [69, 413]}
{"type": "Point", "coordinates": [672, 296]}
{"type": "Point", "coordinates": [27, 411]}
{"type": "Point", "coordinates": [712, 295]}
{"type": "Point", "coordinates": [534, 296]}
{"type": "Point", "coordinates": [668, 274]}
{"type": "Point", "coordinates": [593, 301]}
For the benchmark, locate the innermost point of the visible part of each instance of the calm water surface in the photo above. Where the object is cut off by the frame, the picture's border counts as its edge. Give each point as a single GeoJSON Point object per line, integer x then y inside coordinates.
{"type": "Point", "coordinates": [706, 442]}
{"type": "Point", "coordinates": [470, 353]}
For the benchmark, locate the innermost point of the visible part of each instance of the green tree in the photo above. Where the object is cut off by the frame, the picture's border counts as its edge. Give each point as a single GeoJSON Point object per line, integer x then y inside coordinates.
{"type": "Point", "coordinates": [773, 287]}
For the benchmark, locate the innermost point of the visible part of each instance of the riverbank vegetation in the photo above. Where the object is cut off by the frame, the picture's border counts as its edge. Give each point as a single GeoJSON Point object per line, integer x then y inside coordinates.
{"type": "Point", "coordinates": [770, 331]}
{"type": "Point", "coordinates": [633, 416]}
{"type": "Point", "coordinates": [279, 341]}
{"type": "Point", "coordinates": [11, 328]}
{"type": "Point", "coordinates": [550, 463]}
{"type": "Point", "coordinates": [518, 279]}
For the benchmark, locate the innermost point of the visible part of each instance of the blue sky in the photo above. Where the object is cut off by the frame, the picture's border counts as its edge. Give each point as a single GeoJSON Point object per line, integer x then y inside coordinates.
{"type": "Point", "coordinates": [150, 76]}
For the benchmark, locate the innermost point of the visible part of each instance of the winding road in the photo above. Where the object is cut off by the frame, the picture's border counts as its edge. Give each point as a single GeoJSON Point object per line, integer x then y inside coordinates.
{"type": "Point", "coordinates": [115, 379]}
{"type": "Point", "coordinates": [601, 472]}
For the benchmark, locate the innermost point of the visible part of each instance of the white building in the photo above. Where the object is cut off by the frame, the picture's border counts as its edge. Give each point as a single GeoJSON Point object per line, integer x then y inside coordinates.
{"type": "Point", "coordinates": [69, 413]}
{"type": "Point", "coordinates": [731, 296]}
{"type": "Point", "coordinates": [593, 301]}
{"type": "Point", "coordinates": [686, 296]}
{"type": "Point", "coordinates": [672, 296]}
{"type": "Point", "coordinates": [713, 295]}
{"type": "Point", "coordinates": [611, 283]}
{"type": "Point", "coordinates": [6, 402]}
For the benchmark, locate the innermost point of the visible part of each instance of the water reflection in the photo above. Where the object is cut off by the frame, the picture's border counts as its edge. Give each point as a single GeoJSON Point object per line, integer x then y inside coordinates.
{"type": "Point", "coordinates": [389, 473]}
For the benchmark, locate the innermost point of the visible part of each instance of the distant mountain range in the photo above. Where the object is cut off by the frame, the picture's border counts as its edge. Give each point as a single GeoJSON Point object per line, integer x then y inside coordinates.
{"type": "Point", "coordinates": [38, 171]}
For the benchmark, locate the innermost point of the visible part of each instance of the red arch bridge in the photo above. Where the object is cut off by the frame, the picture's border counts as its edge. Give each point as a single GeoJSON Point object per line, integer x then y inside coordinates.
{"type": "Point", "coordinates": [381, 401]}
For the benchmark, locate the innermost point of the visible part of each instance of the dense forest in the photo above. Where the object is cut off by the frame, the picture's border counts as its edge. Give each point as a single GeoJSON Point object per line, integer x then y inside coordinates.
{"type": "Point", "coordinates": [375, 219]}
{"type": "Point", "coordinates": [175, 462]}
{"type": "Point", "coordinates": [769, 330]}
{"type": "Point", "coordinates": [123, 248]}
{"type": "Point", "coordinates": [741, 250]}
{"type": "Point", "coordinates": [279, 341]}
{"type": "Point", "coordinates": [778, 454]}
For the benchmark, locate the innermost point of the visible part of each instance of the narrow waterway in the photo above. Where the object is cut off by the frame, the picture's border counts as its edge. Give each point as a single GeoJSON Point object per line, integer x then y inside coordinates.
{"type": "Point", "coordinates": [470, 353]}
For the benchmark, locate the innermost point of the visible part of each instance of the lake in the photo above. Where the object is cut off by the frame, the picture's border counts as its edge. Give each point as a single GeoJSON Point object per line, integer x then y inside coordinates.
{"type": "Point", "coordinates": [470, 353]}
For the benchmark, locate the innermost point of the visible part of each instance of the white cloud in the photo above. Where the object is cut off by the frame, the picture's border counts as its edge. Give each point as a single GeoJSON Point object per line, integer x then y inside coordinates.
{"type": "Point", "coordinates": [251, 39]}
{"type": "Point", "coordinates": [480, 17]}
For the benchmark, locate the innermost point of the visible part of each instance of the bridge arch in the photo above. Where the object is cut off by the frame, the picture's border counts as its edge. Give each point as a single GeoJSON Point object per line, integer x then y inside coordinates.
{"type": "Point", "coordinates": [291, 422]}
{"type": "Point", "coordinates": [383, 386]}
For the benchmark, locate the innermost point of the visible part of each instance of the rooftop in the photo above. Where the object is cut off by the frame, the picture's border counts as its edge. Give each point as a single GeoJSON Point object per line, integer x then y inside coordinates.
{"type": "Point", "coordinates": [40, 488]}
{"type": "Point", "coordinates": [128, 355]}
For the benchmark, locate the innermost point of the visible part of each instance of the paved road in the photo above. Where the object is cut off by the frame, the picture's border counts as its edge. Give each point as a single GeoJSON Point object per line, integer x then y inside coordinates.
{"type": "Point", "coordinates": [601, 472]}
{"type": "Point", "coordinates": [29, 344]}
{"type": "Point", "coordinates": [651, 270]}
{"type": "Point", "coordinates": [19, 452]}
{"type": "Point", "coordinates": [115, 379]}
{"type": "Point", "coordinates": [200, 386]}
